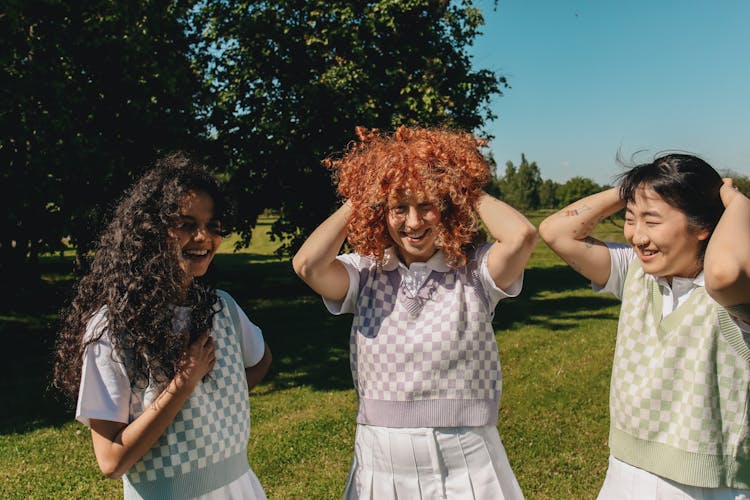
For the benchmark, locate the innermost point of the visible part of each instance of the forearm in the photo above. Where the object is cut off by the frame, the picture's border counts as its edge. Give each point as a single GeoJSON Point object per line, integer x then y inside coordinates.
{"type": "Point", "coordinates": [117, 451]}
{"type": "Point", "coordinates": [315, 262]}
{"type": "Point", "coordinates": [323, 245]}
{"type": "Point", "coordinates": [515, 239]}
{"type": "Point", "coordinates": [577, 220]}
{"type": "Point", "coordinates": [568, 234]}
{"type": "Point", "coordinates": [504, 223]}
{"type": "Point", "coordinates": [257, 372]}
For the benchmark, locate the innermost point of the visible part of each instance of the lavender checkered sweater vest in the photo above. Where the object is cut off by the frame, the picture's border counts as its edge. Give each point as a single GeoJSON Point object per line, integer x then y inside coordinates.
{"type": "Point", "coordinates": [429, 360]}
{"type": "Point", "coordinates": [680, 390]}
{"type": "Point", "coordinates": [205, 446]}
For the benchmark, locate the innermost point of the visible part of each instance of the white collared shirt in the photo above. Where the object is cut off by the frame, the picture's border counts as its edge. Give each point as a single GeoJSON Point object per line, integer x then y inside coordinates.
{"type": "Point", "coordinates": [414, 277]}
{"type": "Point", "coordinates": [672, 295]}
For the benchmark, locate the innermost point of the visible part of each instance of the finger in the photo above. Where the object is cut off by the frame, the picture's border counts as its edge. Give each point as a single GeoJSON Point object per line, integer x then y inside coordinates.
{"type": "Point", "coordinates": [200, 340]}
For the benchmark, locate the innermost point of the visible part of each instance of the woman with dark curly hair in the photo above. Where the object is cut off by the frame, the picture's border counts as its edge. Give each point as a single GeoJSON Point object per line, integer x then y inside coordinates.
{"type": "Point", "coordinates": [162, 363]}
{"type": "Point", "coordinates": [423, 293]}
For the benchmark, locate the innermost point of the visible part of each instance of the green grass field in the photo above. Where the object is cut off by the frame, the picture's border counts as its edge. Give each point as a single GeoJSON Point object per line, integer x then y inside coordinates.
{"type": "Point", "coordinates": [556, 343]}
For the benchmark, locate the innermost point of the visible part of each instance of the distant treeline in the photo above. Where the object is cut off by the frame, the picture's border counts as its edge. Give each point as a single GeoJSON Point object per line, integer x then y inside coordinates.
{"type": "Point", "coordinates": [523, 187]}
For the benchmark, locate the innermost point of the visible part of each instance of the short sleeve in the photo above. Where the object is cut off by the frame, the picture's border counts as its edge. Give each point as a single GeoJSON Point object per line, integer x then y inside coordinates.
{"type": "Point", "coordinates": [251, 339]}
{"type": "Point", "coordinates": [493, 292]}
{"type": "Point", "coordinates": [620, 256]}
{"type": "Point", "coordinates": [352, 263]}
{"type": "Point", "coordinates": [104, 393]}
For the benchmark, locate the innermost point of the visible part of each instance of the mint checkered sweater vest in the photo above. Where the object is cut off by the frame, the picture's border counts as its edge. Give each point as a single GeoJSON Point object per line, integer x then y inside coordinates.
{"type": "Point", "coordinates": [680, 388]}
{"type": "Point", "coordinates": [205, 446]}
{"type": "Point", "coordinates": [429, 360]}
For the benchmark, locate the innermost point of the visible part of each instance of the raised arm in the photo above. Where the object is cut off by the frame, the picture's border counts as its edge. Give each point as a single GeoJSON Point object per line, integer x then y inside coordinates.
{"type": "Point", "coordinates": [726, 264]}
{"type": "Point", "coordinates": [118, 446]}
{"type": "Point", "coordinates": [514, 236]}
{"type": "Point", "coordinates": [316, 263]}
{"type": "Point", "coordinates": [568, 234]}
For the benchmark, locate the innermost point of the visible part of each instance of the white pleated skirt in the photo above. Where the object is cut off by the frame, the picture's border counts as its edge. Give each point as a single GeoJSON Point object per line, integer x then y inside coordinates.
{"type": "Point", "coordinates": [625, 482]}
{"type": "Point", "coordinates": [430, 463]}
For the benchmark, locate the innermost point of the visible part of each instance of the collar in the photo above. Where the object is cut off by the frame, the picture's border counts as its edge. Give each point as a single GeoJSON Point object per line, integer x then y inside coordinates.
{"type": "Point", "coordinates": [679, 283]}
{"type": "Point", "coordinates": [434, 263]}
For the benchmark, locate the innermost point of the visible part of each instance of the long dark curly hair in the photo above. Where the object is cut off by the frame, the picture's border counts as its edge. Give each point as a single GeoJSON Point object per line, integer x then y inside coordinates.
{"type": "Point", "coordinates": [137, 278]}
{"type": "Point", "coordinates": [444, 165]}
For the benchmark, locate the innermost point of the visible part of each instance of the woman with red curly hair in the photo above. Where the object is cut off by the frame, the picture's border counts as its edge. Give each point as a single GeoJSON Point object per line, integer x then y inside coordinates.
{"type": "Point", "coordinates": [423, 293]}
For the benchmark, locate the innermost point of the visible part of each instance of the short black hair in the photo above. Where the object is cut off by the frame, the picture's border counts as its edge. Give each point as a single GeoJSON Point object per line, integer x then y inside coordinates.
{"type": "Point", "coordinates": [685, 182]}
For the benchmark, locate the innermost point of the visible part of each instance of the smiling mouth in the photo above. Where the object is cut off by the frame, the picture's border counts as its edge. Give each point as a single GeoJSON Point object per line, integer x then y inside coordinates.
{"type": "Point", "coordinates": [415, 236]}
{"type": "Point", "coordinates": [644, 253]}
{"type": "Point", "coordinates": [195, 254]}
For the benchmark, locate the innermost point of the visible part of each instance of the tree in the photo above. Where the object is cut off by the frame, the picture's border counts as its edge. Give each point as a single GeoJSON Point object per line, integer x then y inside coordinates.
{"type": "Point", "coordinates": [289, 80]}
{"type": "Point", "coordinates": [548, 194]}
{"type": "Point", "coordinates": [576, 188]}
{"type": "Point", "coordinates": [91, 91]}
{"type": "Point", "coordinates": [519, 187]}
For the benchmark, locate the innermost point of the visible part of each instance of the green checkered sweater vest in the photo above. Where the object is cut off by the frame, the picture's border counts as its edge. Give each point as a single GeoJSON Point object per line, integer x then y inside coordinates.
{"type": "Point", "coordinates": [680, 387]}
{"type": "Point", "coordinates": [205, 446]}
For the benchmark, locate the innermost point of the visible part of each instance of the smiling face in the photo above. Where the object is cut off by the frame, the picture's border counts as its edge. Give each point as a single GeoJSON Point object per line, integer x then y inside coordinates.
{"type": "Point", "coordinates": [197, 233]}
{"type": "Point", "coordinates": [413, 223]}
{"type": "Point", "coordinates": [662, 237]}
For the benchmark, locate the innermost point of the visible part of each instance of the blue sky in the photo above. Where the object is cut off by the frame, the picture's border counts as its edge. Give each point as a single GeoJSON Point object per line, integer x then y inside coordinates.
{"type": "Point", "coordinates": [590, 77]}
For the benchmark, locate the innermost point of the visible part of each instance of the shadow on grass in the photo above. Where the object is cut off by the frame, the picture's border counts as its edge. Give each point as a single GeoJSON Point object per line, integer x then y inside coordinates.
{"type": "Point", "coordinates": [554, 298]}
{"type": "Point", "coordinates": [310, 346]}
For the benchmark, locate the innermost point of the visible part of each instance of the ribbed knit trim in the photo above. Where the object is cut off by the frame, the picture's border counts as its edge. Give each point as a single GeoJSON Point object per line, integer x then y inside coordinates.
{"type": "Point", "coordinates": [733, 334]}
{"type": "Point", "coordinates": [428, 413]}
{"type": "Point", "coordinates": [694, 469]}
{"type": "Point", "coordinates": [189, 485]}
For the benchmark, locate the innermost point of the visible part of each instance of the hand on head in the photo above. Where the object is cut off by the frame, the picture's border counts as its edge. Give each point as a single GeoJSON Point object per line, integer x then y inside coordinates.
{"type": "Point", "coordinates": [728, 191]}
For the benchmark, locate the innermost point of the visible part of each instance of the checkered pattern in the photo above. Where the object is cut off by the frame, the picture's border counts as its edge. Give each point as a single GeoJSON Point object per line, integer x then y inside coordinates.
{"type": "Point", "coordinates": [442, 347]}
{"type": "Point", "coordinates": [213, 425]}
{"type": "Point", "coordinates": [677, 381]}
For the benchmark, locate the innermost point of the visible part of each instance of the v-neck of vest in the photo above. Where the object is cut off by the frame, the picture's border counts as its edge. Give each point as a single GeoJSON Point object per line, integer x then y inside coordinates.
{"type": "Point", "coordinates": [667, 326]}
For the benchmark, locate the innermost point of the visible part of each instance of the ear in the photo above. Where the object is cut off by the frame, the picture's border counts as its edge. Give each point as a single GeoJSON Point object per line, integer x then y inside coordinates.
{"type": "Point", "coordinates": [702, 234]}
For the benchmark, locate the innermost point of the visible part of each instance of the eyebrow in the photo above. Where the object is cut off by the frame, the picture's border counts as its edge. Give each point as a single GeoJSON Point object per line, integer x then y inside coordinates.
{"type": "Point", "coordinates": [193, 219]}
{"type": "Point", "coordinates": [648, 213]}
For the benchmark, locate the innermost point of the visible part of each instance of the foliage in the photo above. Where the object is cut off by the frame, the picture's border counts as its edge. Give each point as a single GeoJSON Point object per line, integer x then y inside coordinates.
{"type": "Point", "coordinates": [523, 187]}
{"type": "Point", "coordinates": [576, 188]}
{"type": "Point", "coordinates": [548, 194]}
{"type": "Point", "coordinates": [289, 80]}
{"type": "Point", "coordinates": [519, 186]}
{"type": "Point", "coordinates": [90, 91]}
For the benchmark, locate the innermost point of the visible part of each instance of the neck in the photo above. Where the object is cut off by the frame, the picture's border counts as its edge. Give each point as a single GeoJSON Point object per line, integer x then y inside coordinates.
{"type": "Point", "coordinates": [407, 261]}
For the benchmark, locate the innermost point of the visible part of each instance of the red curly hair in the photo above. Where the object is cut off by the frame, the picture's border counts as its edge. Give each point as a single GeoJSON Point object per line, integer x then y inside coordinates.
{"type": "Point", "coordinates": [439, 165]}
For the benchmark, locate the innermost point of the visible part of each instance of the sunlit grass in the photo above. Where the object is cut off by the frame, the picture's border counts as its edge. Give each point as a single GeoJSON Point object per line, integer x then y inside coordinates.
{"type": "Point", "coordinates": [555, 341]}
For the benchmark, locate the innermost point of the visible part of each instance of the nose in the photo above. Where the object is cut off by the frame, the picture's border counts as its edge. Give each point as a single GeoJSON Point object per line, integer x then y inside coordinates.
{"type": "Point", "coordinates": [200, 233]}
{"type": "Point", "coordinates": [639, 238]}
{"type": "Point", "coordinates": [413, 217]}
